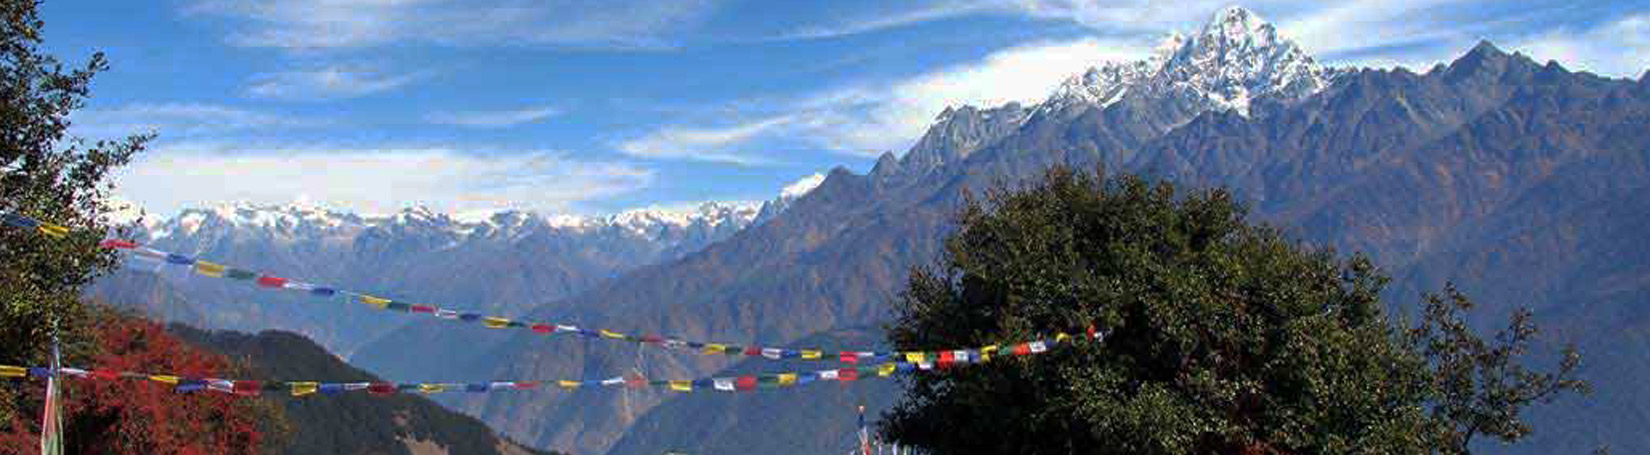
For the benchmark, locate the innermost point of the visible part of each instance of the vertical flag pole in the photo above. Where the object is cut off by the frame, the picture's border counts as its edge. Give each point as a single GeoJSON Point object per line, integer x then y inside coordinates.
{"type": "Point", "coordinates": [51, 425]}
{"type": "Point", "coordinates": [864, 434]}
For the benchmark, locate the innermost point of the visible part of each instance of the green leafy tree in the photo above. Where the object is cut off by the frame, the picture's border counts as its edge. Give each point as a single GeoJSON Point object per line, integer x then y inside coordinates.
{"type": "Point", "coordinates": [46, 174]}
{"type": "Point", "coordinates": [1479, 386]}
{"type": "Point", "coordinates": [1220, 336]}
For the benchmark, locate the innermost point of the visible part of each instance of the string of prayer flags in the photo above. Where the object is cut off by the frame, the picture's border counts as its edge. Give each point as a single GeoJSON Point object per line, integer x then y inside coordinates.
{"type": "Point", "coordinates": [924, 360]}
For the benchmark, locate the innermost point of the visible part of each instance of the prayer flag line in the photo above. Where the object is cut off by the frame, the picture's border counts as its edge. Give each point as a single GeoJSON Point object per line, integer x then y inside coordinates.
{"type": "Point", "coordinates": [145, 254]}
{"type": "Point", "coordinates": [741, 383]}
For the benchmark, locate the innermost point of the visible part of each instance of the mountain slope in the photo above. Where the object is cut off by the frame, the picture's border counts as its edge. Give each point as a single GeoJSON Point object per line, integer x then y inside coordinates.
{"type": "Point", "coordinates": [766, 421]}
{"type": "Point", "coordinates": [1490, 142]}
{"type": "Point", "coordinates": [351, 424]}
{"type": "Point", "coordinates": [838, 255]}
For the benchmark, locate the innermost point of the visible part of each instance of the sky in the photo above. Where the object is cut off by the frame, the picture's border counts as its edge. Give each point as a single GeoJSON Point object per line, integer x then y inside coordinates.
{"type": "Point", "coordinates": [592, 107]}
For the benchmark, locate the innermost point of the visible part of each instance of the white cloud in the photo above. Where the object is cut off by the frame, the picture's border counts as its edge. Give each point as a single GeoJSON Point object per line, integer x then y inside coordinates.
{"type": "Point", "coordinates": [872, 118]}
{"type": "Point", "coordinates": [340, 24]}
{"type": "Point", "coordinates": [331, 82]}
{"type": "Point", "coordinates": [713, 144]}
{"type": "Point", "coordinates": [1619, 48]}
{"type": "Point", "coordinates": [492, 119]}
{"type": "Point", "coordinates": [869, 118]}
{"type": "Point", "coordinates": [175, 120]}
{"type": "Point", "coordinates": [882, 20]}
{"type": "Point", "coordinates": [372, 180]}
{"type": "Point", "coordinates": [1110, 16]}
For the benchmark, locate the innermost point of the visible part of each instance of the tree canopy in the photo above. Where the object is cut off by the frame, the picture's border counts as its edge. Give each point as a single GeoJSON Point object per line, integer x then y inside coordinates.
{"type": "Point", "coordinates": [47, 174]}
{"type": "Point", "coordinates": [1220, 335]}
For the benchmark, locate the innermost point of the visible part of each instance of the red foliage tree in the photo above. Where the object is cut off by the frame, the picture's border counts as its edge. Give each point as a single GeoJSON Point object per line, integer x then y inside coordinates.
{"type": "Point", "coordinates": [121, 416]}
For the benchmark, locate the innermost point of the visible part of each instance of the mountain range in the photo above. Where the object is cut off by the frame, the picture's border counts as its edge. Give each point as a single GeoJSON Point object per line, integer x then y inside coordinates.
{"type": "Point", "coordinates": [1521, 182]}
{"type": "Point", "coordinates": [474, 261]}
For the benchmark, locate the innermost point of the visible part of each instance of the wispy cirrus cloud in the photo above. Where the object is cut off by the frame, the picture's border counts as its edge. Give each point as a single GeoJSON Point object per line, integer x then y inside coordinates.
{"type": "Point", "coordinates": [1619, 48]}
{"type": "Point", "coordinates": [346, 24]}
{"type": "Point", "coordinates": [720, 144]}
{"type": "Point", "coordinates": [176, 119]}
{"type": "Point", "coordinates": [328, 83]}
{"type": "Point", "coordinates": [1379, 33]}
{"type": "Point", "coordinates": [870, 117]}
{"type": "Point", "coordinates": [901, 14]}
{"type": "Point", "coordinates": [492, 119]}
{"type": "Point", "coordinates": [372, 180]}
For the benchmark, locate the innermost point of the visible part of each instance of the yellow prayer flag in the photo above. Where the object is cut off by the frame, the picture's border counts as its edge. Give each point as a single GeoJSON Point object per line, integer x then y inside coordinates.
{"type": "Point", "coordinates": [164, 379]}
{"type": "Point", "coordinates": [610, 334]}
{"type": "Point", "coordinates": [812, 355]}
{"type": "Point", "coordinates": [681, 386]}
{"type": "Point", "coordinates": [886, 369]}
{"type": "Point", "coordinates": [496, 323]}
{"type": "Point", "coordinates": [303, 388]}
{"type": "Point", "coordinates": [787, 379]}
{"type": "Point", "coordinates": [8, 371]}
{"type": "Point", "coordinates": [432, 388]}
{"type": "Point", "coordinates": [376, 302]}
{"type": "Point", "coordinates": [52, 230]}
{"type": "Point", "coordinates": [986, 352]}
{"type": "Point", "coordinates": [1061, 337]}
{"type": "Point", "coordinates": [915, 357]}
{"type": "Point", "coordinates": [714, 348]}
{"type": "Point", "coordinates": [209, 269]}
{"type": "Point", "coordinates": [565, 384]}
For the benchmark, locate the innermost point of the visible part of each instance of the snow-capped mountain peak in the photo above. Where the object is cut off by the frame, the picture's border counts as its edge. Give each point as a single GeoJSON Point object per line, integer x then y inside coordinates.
{"type": "Point", "coordinates": [802, 186]}
{"type": "Point", "coordinates": [1236, 22]}
{"type": "Point", "coordinates": [1235, 58]}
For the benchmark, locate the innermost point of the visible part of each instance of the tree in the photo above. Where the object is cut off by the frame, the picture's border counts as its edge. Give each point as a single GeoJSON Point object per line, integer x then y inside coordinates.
{"type": "Point", "coordinates": [136, 416]}
{"type": "Point", "coordinates": [1221, 336]}
{"type": "Point", "coordinates": [1479, 387]}
{"type": "Point", "coordinates": [46, 174]}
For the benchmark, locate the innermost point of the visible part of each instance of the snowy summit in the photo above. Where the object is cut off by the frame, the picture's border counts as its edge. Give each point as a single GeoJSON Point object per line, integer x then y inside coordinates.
{"type": "Point", "coordinates": [1234, 59]}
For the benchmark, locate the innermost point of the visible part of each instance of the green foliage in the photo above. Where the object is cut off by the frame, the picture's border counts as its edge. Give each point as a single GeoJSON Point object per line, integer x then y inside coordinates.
{"type": "Point", "coordinates": [1479, 386]}
{"type": "Point", "coordinates": [46, 174]}
{"type": "Point", "coordinates": [348, 424]}
{"type": "Point", "coordinates": [1221, 336]}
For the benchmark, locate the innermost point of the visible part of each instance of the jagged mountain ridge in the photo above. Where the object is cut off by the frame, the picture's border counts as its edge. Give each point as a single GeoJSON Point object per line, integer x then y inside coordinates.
{"type": "Point", "coordinates": [1484, 141]}
{"type": "Point", "coordinates": [500, 262]}
{"type": "Point", "coordinates": [839, 255]}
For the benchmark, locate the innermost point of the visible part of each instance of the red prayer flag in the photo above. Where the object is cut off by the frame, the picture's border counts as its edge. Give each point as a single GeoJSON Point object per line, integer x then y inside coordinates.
{"type": "Point", "coordinates": [745, 383]}
{"type": "Point", "coordinates": [1091, 332]}
{"type": "Point", "coordinates": [946, 359]}
{"type": "Point", "coordinates": [106, 375]}
{"type": "Point", "coordinates": [849, 357]}
{"type": "Point", "coordinates": [422, 309]}
{"type": "Point", "coordinates": [248, 388]}
{"type": "Point", "coordinates": [847, 374]}
{"type": "Point", "coordinates": [544, 328]}
{"type": "Point", "coordinates": [1022, 349]}
{"type": "Point", "coordinates": [635, 382]}
{"type": "Point", "coordinates": [381, 388]}
{"type": "Point", "coordinates": [117, 244]}
{"type": "Point", "coordinates": [271, 281]}
{"type": "Point", "coordinates": [651, 339]}
{"type": "Point", "coordinates": [753, 351]}
{"type": "Point", "coordinates": [525, 385]}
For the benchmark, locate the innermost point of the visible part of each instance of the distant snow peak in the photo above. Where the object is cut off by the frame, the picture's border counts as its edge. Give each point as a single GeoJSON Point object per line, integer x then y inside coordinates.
{"type": "Point", "coordinates": [803, 186]}
{"type": "Point", "coordinates": [710, 214]}
{"type": "Point", "coordinates": [1234, 59]}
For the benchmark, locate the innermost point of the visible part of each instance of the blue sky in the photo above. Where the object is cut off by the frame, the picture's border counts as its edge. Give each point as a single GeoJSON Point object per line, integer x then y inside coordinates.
{"type": "Point", "coordinates": [598, 106]}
